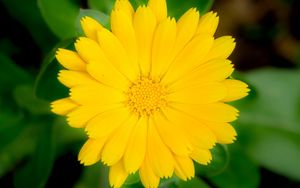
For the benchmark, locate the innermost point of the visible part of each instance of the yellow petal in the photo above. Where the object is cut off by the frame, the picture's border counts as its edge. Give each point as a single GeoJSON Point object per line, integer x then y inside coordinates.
{"type": "Point", "coordinates": [96, 94]}
{"type": "Point", "coordinates": [147, 175]}
{"type": "Point", "coordinates": [215, 112]}
{"type": "Point", "coordinates": [162, 161]}
{"type": "Point", "coordinates": [144, 35]}
{"type": "Point", "coordinates": [172, 136]}
{"type": "Point", "coordinates": [163, 44]}
{"type": "Point", "coordinates": [214, 70]}
{"type": "Point", "coordinates": [200, 94]}
{"type": "Point", "coordinates": [70, 60]}
{"type": "Point", "coordinates": [186, 28]}
{"type": "Point", "coordinates": [107, 122]}
{"type": "Point", "coordinates": [189, 58]}
{"type": "Point", "coordinates": [235, 90]}
{"type": "Point", "coordinates": [221, 49]}
{"type": "Point", "coordinates": [81, 115]}
{"type": "Point", "coordinates": [75, 78]}
{"type": "Point", "coordinates": [106, 73]}
{"type": "Point", "coordinates": [184, 168]}
{"type": "Point", "coordinates": [201, 156]}
{"type": "Point", "coordinates": [89, 50]}
{"type": "Point", "coordinates": [117, 55]}
{"type": "Point", "coordinates": [224, 132]}
{"type": "Point", "coordinates": [90, 152]}
{"type": "Point", "coordinates": [122, 28]}
{"type": "Point", "coordinates": [159, 7]}
{"type": "Point", "coordinates": [197, 133]}
{"type": "Point", "coordinates": [124, 5]}
{"type": "Point", "coordinates": [90, 27]}
{"type": "Point", "coordinates": [136, 149]}
{"type": "Point", "coordinates": [208, 24]}
{"type": "Point", "coordinates": [63, 106]}
{"type": "Point", "coordinates": [115, 147]}
{"type": "Point", "coordinates": [117, 175]}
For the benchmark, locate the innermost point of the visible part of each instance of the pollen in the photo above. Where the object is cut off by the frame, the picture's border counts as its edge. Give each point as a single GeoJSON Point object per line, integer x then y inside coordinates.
{"type": "Point", "coordinates": [146, 96]}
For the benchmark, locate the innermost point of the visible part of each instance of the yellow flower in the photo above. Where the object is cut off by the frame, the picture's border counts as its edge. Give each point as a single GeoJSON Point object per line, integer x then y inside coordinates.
{"type": "Point", "coordinates": [151, 93]}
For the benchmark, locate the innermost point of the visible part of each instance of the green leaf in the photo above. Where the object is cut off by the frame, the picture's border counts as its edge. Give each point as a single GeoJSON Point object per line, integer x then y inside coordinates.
{"type": "Point", "coordinates": [136, 3]}
{"type": "Point", "coordinates": [97, 15]}
{"type": "Point", "coordinates": [269, 120]}
{"type": "Point", "coordinates": [276, 100]}
{"type": "Point", "coordinates": [136, 185]}
{"type": "Point", "coordinates": [28, 14]}
{"type": "Point", "coordinates": [8, 47]}
{"type": "Point", "coordinates": [177, 8]}
{"type": "Point", "coordinates": [60, 16]}
{"type": "Point", "coordinates": [132, 179]}
{"type": "Point", "coordinates": [275, 149]}
{"type": "Point", "coordinates": [40, 165]}
{"type": "Point", "coordinates": [220, 159]}
{"type": "Point", "coordinates": [47, 86]}
{"type": "Point", "coordinates": [10, 74]}
{"type": "Point", "coordinates": [103, 6]}
{"type": "Point", "coordinates": [193, 183]}
{"type": "Point", "coordinates": [17, 147]}
{"type": "Point", "coordinates": [65, 136]}
{"type": "Point", "coordinates": [25, 98]}
{"type": "Point", "coordinates": [169, 182]}
{"type": "Point", "coordinates": [241, 172]}
{"type": "Point", "coordinates": [11, 127]}
{"type": "Point", "coordinates": [90, 177]}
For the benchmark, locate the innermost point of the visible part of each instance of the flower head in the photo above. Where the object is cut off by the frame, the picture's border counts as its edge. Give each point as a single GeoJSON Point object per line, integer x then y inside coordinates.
{"type": "Point", "coordinates": [151, 93]}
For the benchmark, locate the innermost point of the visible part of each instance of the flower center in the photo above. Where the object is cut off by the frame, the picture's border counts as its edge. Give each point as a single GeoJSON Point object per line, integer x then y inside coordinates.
{"type": "Point", "coordinates": [146, 96]}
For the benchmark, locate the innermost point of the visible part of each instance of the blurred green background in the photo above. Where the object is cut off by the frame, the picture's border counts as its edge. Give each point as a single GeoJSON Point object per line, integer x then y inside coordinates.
{"type": "Point", "coordinates": [38, 149]}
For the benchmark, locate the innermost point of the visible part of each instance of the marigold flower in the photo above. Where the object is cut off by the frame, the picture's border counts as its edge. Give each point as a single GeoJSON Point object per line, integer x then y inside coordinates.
{"type": "Point", "coordinates": [151, 93]}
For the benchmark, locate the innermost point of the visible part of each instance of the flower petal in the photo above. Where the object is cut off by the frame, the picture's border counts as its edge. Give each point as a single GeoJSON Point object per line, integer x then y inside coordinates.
{"type": "Point", "coordinates": [63, 106]}
{"type": "Point", "coordinates": [106, 123]}
{"type": "Point", "coordinates": [124, 5]}
{"type": "Point", "coordinates": [189, 58]}
{"type": "Point", "coordinates": [106, 73]}
{"type": "Point", "coordinates": [197, 132]}
{"type": "Point", "coordinates": [159, 7]}
{"type": "Point", "coordinates": [75, 78]}
{"type": "Point", "coordinates": [147, 175]}
{"type": "Point", "coordinates": [80, 116]}
{"type": "Point", "coordinates": [224, 132]}
{"type": "Point", "coordinates": [214, 70]}
{"type": "Point", "coordinates": [90, 152]}
{"type": "Point", "coordinates": [235, 90]}
{"type": "Point", "coordinates": [214, 112]}
{"type": "Point", "coordinates": [163, 44]}
{"type": "Point", "coordinates": [70, 60]}
{"type": "Point", "coordinates": [122, 28]}
{"type": "Point", "coordinates": [117, 175]}
{"type": "Point", "coordinates": [90, 27]}
{"type": "Point", "coordinates": [172, 136]}
{"type": "Point", "coordinates": [110, 45]}
{"type": "Point", "coordinates": [200, 94]}
{"type": "Point", "coordinates": [136, 149]}
{"type": "Point", "coordinates": [186, 28]}
{"type": "Point", "coordinates": [115, 147]}
{"type": "Point", "coordinates": [89, 50]}
{"type": "Point", "coordinates": [208, 24]}
{"type": "Point", "coordinates": [184, 168]}
{"type": "Point", "coordinates": [162, 161]}
{"type": "Point", "coordinates": [144, 35]}
{"type": "Point", "coordinates": [221, 49]}
{"type": "Point", "coordinates": [96, 94]}
{"type": "Point", "coordinates": [201, 156]}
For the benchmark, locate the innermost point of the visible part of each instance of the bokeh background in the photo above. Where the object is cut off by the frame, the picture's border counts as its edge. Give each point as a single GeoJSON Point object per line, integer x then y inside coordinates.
{"type": "Point", "coordinates": [38, 149]}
